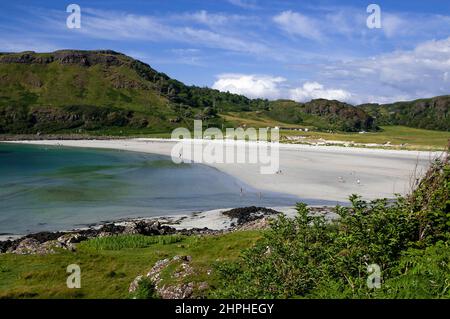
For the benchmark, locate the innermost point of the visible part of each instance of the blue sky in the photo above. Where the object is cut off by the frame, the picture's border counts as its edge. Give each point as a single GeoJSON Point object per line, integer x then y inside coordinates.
{"type": "Point", "coordinates": [260, 48]}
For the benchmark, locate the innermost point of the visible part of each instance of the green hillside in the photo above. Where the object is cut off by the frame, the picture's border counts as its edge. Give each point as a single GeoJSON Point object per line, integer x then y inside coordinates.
{"type": "Point", "coordinates": [90, 91]}
{"type": "Point", "coordinates": [432, 114]}
{"type": "Point", "coordinates": [72, 91]}
{"type": "Point", "coordinates": [322, 114]}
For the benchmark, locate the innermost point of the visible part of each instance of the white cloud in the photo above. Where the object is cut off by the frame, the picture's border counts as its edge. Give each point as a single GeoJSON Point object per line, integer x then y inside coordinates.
{"type": "Point", "coordinates": [404, 75]}
{"type": "Point", "coordinates": [252, 86]}
{"type": "Point", "coordinates": [246, 4]}
{"type": "Point", "coordinates": [296, 23]}
{"type": "Point", "coordinates": [214, 31]}
{"type": "Point", "coordinates": [315, 90]}
{"type": "Point", "coordinates": [393, 25]}
{"type": "Point", "coordinates": [209, 19]}
{"type": "Point", "coordinates": [13, 44]}
{"type": "Point", "coordinates": [329, 24]}
{"type": "Point", "coordinates": [249, 41]}
{"type": "Point", "coordinates": [272, 87]}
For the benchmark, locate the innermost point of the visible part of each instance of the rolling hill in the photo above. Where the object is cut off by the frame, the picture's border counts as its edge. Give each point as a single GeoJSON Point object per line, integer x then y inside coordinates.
{"type": "Point", "coordinates": [432, 114]}
{"type": "Point", "coordinates": [79, 91]}
{"type": "Point", "coordinates": [73, 91]}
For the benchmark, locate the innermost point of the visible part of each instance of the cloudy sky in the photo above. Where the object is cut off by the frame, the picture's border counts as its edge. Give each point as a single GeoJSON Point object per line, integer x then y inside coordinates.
{"type": "Point", "coordinates": [260, 48]}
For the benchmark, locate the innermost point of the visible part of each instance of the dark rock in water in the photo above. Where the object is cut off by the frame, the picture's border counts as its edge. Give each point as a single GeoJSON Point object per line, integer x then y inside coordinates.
{"type": "Point", "coordinates": [89, 233]}
{"type": "Point", "coordinates": [148, 228]}
{"type": "Point", "coordinates": [112, 229]}
{"type": "Point", "coordinates": [153, 228]}
{"type": "Point", "coordinates": [249, 214]}
{"type": "Point", "coordinates": [43, 237]}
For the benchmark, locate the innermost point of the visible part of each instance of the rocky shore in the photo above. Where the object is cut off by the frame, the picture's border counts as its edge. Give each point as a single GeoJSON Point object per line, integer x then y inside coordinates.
{"type": "Point", "coordinates": [245, 218]}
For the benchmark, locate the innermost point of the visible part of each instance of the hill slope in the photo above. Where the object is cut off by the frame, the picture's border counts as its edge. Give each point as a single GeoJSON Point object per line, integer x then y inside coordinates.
{"type": "Point", "coordinates": [322, 114]}
{"type": "Point", "coordinates": [89, 90]}
{"type": "Point", "coordinates": [79, 91]}
{"type": "Point", "coordinates": [433, 114]}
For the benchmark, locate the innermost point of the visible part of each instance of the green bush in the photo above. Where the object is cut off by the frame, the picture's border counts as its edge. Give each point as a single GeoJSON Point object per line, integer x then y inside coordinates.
{"type": "Point", "coordinates": [145, 290]}
{"type": "Point", "coordinates": [420, 273]}
{"type": "Point", "coordinates": [309, 257]}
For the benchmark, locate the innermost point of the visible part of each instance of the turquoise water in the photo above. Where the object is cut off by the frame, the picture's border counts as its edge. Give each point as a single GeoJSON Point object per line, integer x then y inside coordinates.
{"type": "Point", "coordinates": [54, 188]}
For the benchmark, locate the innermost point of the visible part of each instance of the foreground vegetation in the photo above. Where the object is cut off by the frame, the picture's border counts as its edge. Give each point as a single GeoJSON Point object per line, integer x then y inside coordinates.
{"type": "Point", "coordinates": [308, 257]}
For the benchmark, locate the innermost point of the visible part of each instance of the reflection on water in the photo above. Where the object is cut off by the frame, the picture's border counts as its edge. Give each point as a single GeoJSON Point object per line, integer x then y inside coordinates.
{"type": "Point", "coordinates": [52, 188]}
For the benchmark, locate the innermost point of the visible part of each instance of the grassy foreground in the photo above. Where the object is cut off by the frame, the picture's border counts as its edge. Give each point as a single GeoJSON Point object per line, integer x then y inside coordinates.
{"type": "Point", "coordinates": [109, 265]}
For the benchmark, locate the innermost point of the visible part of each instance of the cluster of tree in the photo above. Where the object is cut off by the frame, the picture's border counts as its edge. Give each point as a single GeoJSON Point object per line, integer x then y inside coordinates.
{"type": "Point", "coordinates": [432, 114]}
{"type": "Point", "coordinates": [323, 114]}
{"type": "Point", "coordinates": [32, 120]}
{"type": "Point", "coordinates": [194, 96]}
{"type": "Point", "coordinates": [309, 257]}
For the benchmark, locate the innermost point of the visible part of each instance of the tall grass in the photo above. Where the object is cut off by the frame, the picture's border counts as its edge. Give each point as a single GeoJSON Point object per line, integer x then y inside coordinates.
{"type": "Point", "coordinates": [129, 241]}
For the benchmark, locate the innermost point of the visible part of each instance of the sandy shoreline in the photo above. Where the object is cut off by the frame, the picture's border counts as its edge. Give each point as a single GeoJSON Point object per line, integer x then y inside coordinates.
{"type": "Point", "coordinates": [310, 172]}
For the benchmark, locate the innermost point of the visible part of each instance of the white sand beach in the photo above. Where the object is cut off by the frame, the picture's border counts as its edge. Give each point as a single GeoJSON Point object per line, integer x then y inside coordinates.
{"type": "Point", "coordinates": [310, 172]}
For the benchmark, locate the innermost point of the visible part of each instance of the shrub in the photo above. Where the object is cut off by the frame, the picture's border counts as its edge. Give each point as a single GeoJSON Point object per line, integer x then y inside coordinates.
{"type": "Point", "coordinates": [420, 273]}
{"type": "Point", "coordinates": [310, 257]}
{"type": "Point", "coordinates": [145, 290]}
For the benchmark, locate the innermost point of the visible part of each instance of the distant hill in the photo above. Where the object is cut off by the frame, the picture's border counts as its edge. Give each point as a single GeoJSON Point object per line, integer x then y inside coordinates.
{"type": "Point", "coordinates": [432, 114]}
{"type": "Point", "coordinates": [322, 114]}
{"type": "Point", "coordinates": [88, 91]}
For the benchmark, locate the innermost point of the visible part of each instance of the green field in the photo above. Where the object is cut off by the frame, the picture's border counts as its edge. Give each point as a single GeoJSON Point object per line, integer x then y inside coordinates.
{"type": "Point", "coordinates": [253, 119]}
{"type": "Point", "coordinates": [401, 136]}
{"type": "Point", "coordinates": [109, 265]}
{"type": "Point", "coordinates": [407, 137]}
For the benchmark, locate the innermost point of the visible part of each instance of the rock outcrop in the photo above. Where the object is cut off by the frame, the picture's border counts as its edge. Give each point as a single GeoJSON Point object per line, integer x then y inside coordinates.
{"type": "Point", "coordinates": [178, 287]}
{"type": "Point", "coordinates": [244, 215]}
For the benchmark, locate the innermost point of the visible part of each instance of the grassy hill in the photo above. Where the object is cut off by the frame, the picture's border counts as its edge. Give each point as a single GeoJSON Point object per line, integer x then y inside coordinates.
{"type": "Point", "coordinates": [106, 92]}
{"type": "Point", "coordinates": [322, 114]}
{"type": "Point", "coordinates": [433, 114]}
{"type": "Point", "coordinates": [88, 91]}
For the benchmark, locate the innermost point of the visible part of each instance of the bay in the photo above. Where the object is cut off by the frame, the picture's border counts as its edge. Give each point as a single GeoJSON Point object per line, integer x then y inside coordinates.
{"type": "Point", "coordinates": [49, 188]}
